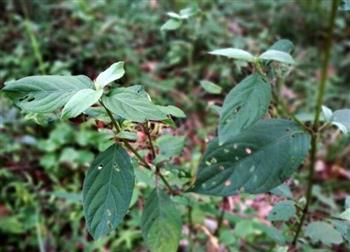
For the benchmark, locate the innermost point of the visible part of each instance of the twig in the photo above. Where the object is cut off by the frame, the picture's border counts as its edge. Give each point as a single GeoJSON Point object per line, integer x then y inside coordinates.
{"type": "Point", "coordinates": [129, 147]}
{"type": "Point", "coordinates": [314, 137]}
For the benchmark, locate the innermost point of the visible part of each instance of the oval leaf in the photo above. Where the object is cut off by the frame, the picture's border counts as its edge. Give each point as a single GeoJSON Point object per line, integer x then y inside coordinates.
{"type": "Point", "coordinates": [133, 105]}
{"type": "Point", "coordinates": [171, 24]}
{"type": "Point", "coordinates": [172, 110]}
{"type": "Point", "coordinates": [112, 73]}
{"type": "Point", "coordinates": [80, 102]}
{"type": "Point", "coordinates": [107, 190]}
{"type": "Point", "coordinates": [255, 161]}
{"type": "Point", "coordinates": [244, 105]}
{"type": "Point", "coordinates": [323, 232]}
{"type": "Point", "coordinates": [161, 223]}
{"type": "Point", "coordinates": [277, 55]}
{"type": "Point", "coordinates": [341, 118]}
{"type": "Point", "coordinates": [210, 87]}
{"type": "Point", "coordinates": [282, 211]}
{"type": "Point", "coordinates": [235, 53]}
{"type": "Point", "coordinates": [46, 93]}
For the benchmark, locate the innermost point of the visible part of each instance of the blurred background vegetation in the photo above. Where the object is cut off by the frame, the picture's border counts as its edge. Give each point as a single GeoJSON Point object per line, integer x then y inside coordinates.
{"type": "Point", "coordinates": [43, 160]}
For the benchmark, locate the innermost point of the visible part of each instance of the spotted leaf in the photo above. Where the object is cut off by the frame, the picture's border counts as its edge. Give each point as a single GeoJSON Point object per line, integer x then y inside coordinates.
{"type": "Point", "coordinates": [107, 190]}
{"type": "Point", "coordinates": [255, 161]}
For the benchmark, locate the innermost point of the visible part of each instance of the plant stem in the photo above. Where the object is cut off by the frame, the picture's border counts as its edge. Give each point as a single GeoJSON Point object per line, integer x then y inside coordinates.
{"type": "Point", "coordinates": [316, 123]}
{"type": "Point", "coordinates": [220, 221]}
{"type": "Point", "coordinates": [129, 147]}
{"type": "Point", "coordinates": [145, 127]}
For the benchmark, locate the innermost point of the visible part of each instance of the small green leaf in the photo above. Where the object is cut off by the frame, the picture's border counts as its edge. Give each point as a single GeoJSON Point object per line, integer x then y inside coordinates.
{"type": "Point", "coordinates": [323, 232]}
{"type": "Point", "coordinates": [112, 73]}
{"type": "Point", "coordinates": [327, 113]}
{"type": "Point", "coordinates": [341, 119]}
{"type": "Point", "coordinates": [210, 87]}
{"type": "Point", "coordinates": [284, 45]}
{"type": "Point", "coordinates": [171, 24]}
{"type": "Point", "coordinates": [282, 211]}
{"type": "Point", "coordinates": [277, 55]}
{"type": "Point", "coordinates": [345, 215]}
{"type": "Point", "coordinates": [46, 93]}
{"type": "Point", "coordinates": [133, 104]}
{"type": "Point", "coordinates": [80, 102]}
{"type": "Point", "coordinates": [282, 191]}
{"type": "Point", "coordinates": [172, 110]}
{"type": "Point", "coordinates": [107, 190]}
{"type": "Point", "coordinates": [170, 146]}
{"type": "Point", "coordinates": [132, 136]}
{"type": "Point", "coordinates": [243, 106]}
{"type": "Point", "coordinates": [235, 53]}
{"type": "Point", "coordinates": [161, 223]}
{"type": "Point", "coordinates": [240, 165]}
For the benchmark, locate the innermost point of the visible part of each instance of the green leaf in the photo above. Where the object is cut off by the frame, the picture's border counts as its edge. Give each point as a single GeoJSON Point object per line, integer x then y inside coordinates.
{"type": "Point", "coordinates": [323, 232]}
{"type": "Point", "coordinates": [241, 165]}
{"type": "Point", "coordinates": [341, 119]}
{"type": "Point", "coordinates": [133, 104]}
{"type": "Point", "coordinates": [112, 73]}
{"type": "Point", "coordinates": [46, 93]}
{"type": "Point", "coordinates": [345, 215]}
{"type": "Point", "coordinates": [132, 136]}
{"type": "Point", "coordinates": [171, 24]}
{"type": "Point", "coordinates": [80, 102]}
{"type": "Point", "coordinates": [107, 190]}
{"type": "Point", "coordinates": [161, 223]}
{"type": "Point", "coordinates": [171, 146]}
{"type": "Point", "coordinates": [284, 45]}
{"type": "Point", "coordinates": [277, 55]}
{"type": "Point", "coordinates": [282, 211]}
{"type": "Point", "coordinates": [210, 87]}
{"type": "Point", "coordinates": [282, 191]}
{"type": "Point", "coordinates": [327, 113]}
{"type": "Point", "coordinates": [172, 110]}
{"type": "Point", "coordinates": [243, 106]}
{"type": "Point", "coordinates": [235, 53]}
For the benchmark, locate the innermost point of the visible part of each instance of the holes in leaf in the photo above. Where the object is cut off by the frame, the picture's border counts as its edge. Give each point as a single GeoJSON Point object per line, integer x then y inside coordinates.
{"type": "Point", "coordinates": [228, 182]}
{"type": "Point", "coordinates": [226, 150]}
{"type": "Point", "coordinates": [116, 167]}
{"type": "Point", "coordinates": [248, 151]}
{"type": "Point", "coordinates": [221, 167]}
{"type": "Point", "coordinates": [236, 158]}
{"type": "Point", "coordinates": [99, 167]}
{"type": "Point", "coordinates": [235, 146]}
{"type": "Point", "coordinates": [213, 160]}
{"type": "Point", "coordinates": [23, 98]}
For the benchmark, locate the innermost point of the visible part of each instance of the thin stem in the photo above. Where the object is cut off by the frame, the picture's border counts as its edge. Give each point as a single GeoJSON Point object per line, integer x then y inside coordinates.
{"type": "Point", "coordinates": [129, 147]}
{"type": "Point", "coordinates": [38, 232]}
{"type": "Point", "coordinates": [145, 127]}
{"type": "Point", "coordinates": [220, 221]}
{"type": "Point", "coordinates": [314, 137]}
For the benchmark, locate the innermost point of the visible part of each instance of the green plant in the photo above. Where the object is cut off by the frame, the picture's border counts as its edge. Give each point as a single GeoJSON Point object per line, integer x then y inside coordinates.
{"type": "Point", "coordinates": [234, 163]}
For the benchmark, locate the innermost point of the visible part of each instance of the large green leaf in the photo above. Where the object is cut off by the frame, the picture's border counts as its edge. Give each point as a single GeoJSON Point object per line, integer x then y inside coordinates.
{"type": "Point", "coordinates": [243, 106]}
{"type": "Point", "coordinates": [133, 104]}
{"type": "Point", "coordinates": [255, 161]}
{"type": "Point", "coordinates": [44, 94]}
{"type": "Point", "coordinates": [81, 101]}
{"type": "Point", "coordinates": [161, 223]}
{"type": "Point", "coordinates": [107, 190]}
